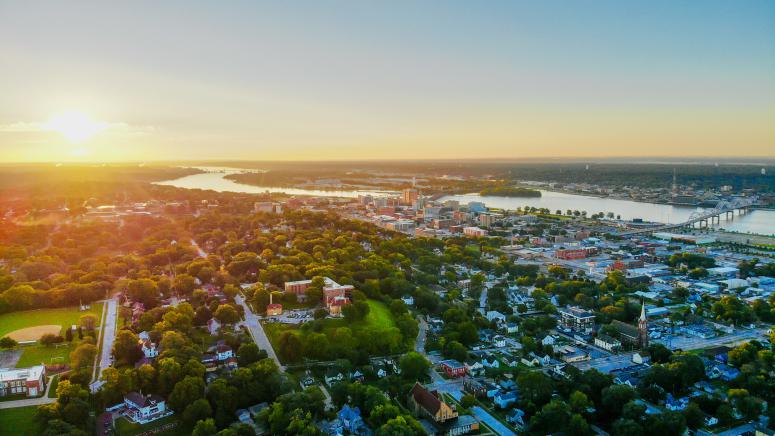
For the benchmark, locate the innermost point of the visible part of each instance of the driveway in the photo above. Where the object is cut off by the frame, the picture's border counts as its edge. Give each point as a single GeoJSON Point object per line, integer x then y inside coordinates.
{"type": "Point", "coordinates": [252, 322]}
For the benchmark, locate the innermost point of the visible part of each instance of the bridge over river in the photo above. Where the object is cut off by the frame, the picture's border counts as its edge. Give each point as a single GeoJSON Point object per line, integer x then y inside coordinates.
{"type": "Point", "coordinates": [701, 217]}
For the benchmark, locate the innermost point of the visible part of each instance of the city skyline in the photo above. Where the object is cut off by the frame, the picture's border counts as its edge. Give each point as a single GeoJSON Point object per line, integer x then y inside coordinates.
{"type": "Point", "coordinates": [148, 82]}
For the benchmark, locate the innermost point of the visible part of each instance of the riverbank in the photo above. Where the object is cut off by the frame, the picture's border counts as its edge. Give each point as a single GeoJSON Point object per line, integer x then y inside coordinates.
{"type": "Point", "coordinates": [757, 221]}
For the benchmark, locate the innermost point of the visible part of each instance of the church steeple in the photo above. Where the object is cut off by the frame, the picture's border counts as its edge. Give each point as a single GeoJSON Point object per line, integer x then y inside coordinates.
{"type": "Point", "coordinates": [643, 327]}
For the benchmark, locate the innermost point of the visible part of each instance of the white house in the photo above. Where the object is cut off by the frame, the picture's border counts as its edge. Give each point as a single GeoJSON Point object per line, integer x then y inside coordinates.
{"type": "Point", "coordinates": [144, 409]}
{"type": "Point", "coordinates": [495, 315]}
{"type": "Point", "coordinates": [213, 326]}
{"type": "Point", "coordinates": [223, 352]}
{"type": "Point", "coordinates": [608, 343]}
{"type": "Point", "coordinates": [548, 340]}
{"type": "Point", "coordinates": [149, 349]}
{"type": "Point", "coordinates": [408, 300]}
{"type": "Point", "coordinates": [499, 341]}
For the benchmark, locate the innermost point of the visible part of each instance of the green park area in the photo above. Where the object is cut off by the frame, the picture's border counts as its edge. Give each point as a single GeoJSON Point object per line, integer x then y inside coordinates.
{"type": "Point", "coordinates": [35, 323]}
{"type": "Point", "coordinates": [20, 419]}
{"type": "Point", "coordinates": [66, 316]}
{"type": "Point", "coordinates": [379, 321]}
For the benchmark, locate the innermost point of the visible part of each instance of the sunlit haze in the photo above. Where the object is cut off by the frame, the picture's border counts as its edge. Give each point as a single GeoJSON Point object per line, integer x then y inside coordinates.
{"type": "Point", "coordinates": [144, 81]}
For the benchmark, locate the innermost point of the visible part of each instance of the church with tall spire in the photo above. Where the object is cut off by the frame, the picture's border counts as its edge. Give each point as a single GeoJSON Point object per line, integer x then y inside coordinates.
{"type": "Point", "coordinates": [635, 337]}
{"type": "Point", "coordinates": [643, 327]}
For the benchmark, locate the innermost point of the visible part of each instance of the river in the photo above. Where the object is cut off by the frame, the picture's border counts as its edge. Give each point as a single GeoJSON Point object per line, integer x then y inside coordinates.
{"type": "Point", "coordinates": [214, 179]}
{"type": "Point", "coordinates": [757, 221]}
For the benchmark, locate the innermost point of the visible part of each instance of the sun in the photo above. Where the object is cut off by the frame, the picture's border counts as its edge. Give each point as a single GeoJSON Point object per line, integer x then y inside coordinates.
{"type": "Point", "coordinates": [75, 126]}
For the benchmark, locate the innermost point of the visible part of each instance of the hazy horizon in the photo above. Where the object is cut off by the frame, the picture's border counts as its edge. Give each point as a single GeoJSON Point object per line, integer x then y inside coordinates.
{"type": "Point", "coordinates": [346, 81]}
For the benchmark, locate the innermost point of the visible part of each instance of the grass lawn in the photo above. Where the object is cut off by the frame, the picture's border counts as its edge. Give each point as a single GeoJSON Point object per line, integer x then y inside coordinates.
{"type": "Point", "coordinates": [379, 317]}
{"type": "Point", "coordinates": [20, 420]}
{"type": "Point", "coordinates": [37, 354]}
{"type": "Point", "coordinates": [65, 317]}
{"type": "Point", "coordinates": [52, 391]}
{"type": "Point", "coordinates": [126, 428]}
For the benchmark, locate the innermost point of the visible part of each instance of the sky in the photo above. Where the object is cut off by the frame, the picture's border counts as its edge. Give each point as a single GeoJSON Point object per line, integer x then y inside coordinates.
{"type": "Point", "coordinates": [175, 80]}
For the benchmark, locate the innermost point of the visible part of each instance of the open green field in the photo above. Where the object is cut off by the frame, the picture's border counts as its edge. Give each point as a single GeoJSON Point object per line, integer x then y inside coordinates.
{"type": "Point", "coordinates": [65, 317]}
{"type": "Point", "coordinates": [126, 428]}
{"type": "Point", "coordinates": [37, 354]}
{"type": "Point", "coordinates": [379, 317]}
{"type": "Point", "coordinates": [20, 419]}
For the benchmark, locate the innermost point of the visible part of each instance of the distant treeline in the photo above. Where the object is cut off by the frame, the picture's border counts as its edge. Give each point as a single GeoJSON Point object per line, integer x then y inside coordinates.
{"type": "Point", "coordinates": [509, 191]}
{"type": "Point", "coordinates": [650, 175]}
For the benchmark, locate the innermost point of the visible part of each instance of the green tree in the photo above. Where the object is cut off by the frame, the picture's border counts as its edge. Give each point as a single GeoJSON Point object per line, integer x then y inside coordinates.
{"type": "Point", "coordinates": [414, 366]}
{"type": "Point", "coordinates": [186, 392]}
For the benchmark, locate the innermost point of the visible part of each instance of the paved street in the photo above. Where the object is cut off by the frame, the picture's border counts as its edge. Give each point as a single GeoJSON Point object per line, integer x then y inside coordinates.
{"type": "Point", "coordinates": [419, 344]}
{"type": "Point", "coordinates": [491, 422]}
{"type": "Point", "coordinates": [108, 335]}
{"type": "Point", "coordinates": [252, 322]}
{"type": "Point", "coordinates": [692, 343]}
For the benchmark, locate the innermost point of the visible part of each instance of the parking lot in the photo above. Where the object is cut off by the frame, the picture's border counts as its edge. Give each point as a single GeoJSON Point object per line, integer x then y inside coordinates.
{"type": "Point", "coordinates": [297, 316]}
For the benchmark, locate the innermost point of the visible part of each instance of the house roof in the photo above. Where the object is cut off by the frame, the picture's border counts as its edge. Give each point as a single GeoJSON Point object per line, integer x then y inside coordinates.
{"type": "Point", "coordinates": [426, 399]}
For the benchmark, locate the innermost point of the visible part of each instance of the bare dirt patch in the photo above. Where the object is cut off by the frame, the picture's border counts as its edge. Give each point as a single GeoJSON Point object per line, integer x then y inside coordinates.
{"type": "Point", "coordinates": [34, 333]}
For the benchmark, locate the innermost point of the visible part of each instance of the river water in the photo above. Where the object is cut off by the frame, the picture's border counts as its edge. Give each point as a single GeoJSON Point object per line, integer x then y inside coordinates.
{"type": "Point", "coordinates": [214, 179]}
{"type": "Point", "coordinates": [758, 221]}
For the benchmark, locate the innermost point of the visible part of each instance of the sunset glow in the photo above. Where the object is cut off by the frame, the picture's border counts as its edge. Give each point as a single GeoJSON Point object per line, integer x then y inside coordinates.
{"type": "Point", "coordinates": [75, 126]}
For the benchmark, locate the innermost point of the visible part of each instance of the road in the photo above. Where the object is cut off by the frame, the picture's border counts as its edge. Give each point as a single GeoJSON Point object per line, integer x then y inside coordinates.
{"type": "Point", "coordinates": [736, 338]}
{"type": "Point", "coordinates": [108, 335]}
{"type": "Point", "coordinates": [252, 322]}
{"type": "Point", "coordinates": [199, 250]}
{"type": "Point", "coordinates": [483, 301]}
{"type": "Point", "coordinates": [29, 401]}
{"type": "Point", "coordinates": [491, 422]}
{"type": "Point", "coordinates": [419, 344]}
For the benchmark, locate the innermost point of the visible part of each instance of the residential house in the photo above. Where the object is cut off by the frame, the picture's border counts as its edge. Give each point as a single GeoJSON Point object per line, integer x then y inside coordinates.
{"type": "Point", "coordinates": [453, 368]}
{"type": "Point", "coordinates": [494, 315]}
{"type": "Point", "coordinates": [499, 341]}
{"type": "Point", "coordinates": [511, 327]}
{"type": "Point", "coordinates": [474, 387]}
{"type": "Point", "coordinates": [333, 376]}
{"type": "Point", "coordinates": [429, 404]}
{"type": "Point", "coordinates": [213, 326]}
{"type": "Point", "coordinates": [608, 343]}
{"type": "Point", "coordinates": [517, 418]}
{"type": "Point", "coordinates": [505, 399]}
{"type": "Point", "coordinates": [149, 348]}
{"type": "Point", "coordinates": [351, 420]}
{"type": "Point", "coordinates": [408, 300]}
{"type": "Point", "coordinates": [145, 408]}
{"type": "Point", "coordinates": [474, 367]}
{"type": "Point", "coordinates": [223, 352]}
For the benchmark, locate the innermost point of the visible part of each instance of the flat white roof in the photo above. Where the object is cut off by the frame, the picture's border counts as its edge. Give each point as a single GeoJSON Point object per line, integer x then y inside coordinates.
{"type": "Point", "coordinates": [32, 373]}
